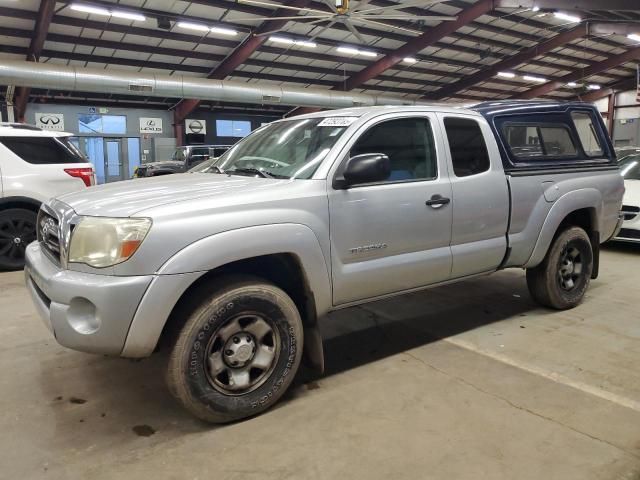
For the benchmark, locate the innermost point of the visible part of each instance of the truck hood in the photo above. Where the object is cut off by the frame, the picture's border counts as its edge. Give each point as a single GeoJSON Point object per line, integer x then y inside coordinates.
{"type": "Point", "coordinates": [125, 199]}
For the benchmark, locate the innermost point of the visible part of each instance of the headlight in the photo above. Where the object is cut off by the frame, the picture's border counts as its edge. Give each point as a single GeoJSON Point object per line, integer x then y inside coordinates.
{"type": "Point", "coordinates": [102, 242]}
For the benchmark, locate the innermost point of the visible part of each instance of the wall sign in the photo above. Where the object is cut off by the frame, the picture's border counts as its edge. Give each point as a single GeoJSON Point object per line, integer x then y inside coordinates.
{"type": "Point", "coordinates": [150, 125]}
{"type": "Point", "coordinates": [50, 121]}
{"type": "Point", "coordinates": [195, 126]}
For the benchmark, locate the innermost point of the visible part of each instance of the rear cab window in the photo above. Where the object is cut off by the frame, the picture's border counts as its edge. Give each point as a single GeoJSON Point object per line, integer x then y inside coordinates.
{"type": "Point", "coordinates": [44, 150]}
{"type": "Point", "coordinates": [588, 134]}
{"type": "Point", "coordinates": [469, 153]}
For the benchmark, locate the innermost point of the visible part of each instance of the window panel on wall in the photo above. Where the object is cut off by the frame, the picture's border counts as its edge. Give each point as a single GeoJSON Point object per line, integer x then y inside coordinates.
{"type": "Point", "coordinates": [233, 128]}
{"type": "Point", "coordinates": [111, 124]}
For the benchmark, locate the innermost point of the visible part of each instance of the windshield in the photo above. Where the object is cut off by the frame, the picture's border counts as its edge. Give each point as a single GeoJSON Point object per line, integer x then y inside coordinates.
{"type": "Point", "coordinates": [290, 149]}
{"type": "Point", "coordinates": [179, 154]}
{"type": "Point", "coordinates": [630, 168]}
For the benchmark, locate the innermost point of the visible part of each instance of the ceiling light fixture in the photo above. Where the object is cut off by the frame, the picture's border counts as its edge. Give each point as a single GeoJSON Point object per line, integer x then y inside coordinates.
{"type": "Point", "coordinates": [224, 31]}
{"type": "Point", "coordinates": [531, 78]}
{"type": "Point", "coordinates": [410, 60]}
{"type": "Point", "coordinates": [567, 17]}
{"type": "Point", "coordinates": [572, 85]}
{"type": "Point", "coordinates": [90, 9]}
{"type": "Point", "coordinates": [199, 27]}
{"type": "Point", "coordinates": [355, 51]}
{"type": "Point", "coordinates": [593, 86]}
{"type": "Point", "coordinates": [128, 16]}
{"type": "Point", "coordinates": [291, 41]}
{"type": "Point", "coordinates": [634, 36]}
{"type": "Point", "coordinates": [507, 74]}
{"type": "Point", "coordinates": [193, 26]}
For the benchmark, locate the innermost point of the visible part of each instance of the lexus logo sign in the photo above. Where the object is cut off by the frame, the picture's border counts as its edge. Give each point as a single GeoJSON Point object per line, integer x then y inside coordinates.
{"type": "Point", "coordinates": [196, 126]}
{"type": "Point", "coordinates": [150, 125]}
{"type": "Point", "coordinates": [50, 121]}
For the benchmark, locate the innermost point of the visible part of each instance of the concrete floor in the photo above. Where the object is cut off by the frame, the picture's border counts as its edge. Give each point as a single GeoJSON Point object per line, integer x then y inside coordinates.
{"type": "Point", "coordinates": [471, 381]}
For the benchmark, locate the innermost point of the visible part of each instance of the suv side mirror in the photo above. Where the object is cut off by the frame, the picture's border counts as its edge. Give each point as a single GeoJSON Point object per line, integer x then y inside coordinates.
{"type": "Point", "coordinates": [365, 168]}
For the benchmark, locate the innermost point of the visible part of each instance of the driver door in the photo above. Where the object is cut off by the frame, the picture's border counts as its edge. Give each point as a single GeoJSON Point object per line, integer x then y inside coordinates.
{"type": "Point", "coordinates": [385, 237]}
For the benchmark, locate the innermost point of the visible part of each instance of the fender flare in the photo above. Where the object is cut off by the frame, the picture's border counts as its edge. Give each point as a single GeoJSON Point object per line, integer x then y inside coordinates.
{"type": "Point", "coordinates": [192, 262]}
{"type": "Point", "coordinates": [589, 198]}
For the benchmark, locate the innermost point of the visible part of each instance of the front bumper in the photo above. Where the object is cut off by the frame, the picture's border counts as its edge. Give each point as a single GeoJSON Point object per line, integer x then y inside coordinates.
{"type": "Point", "coordinates": [628, 231]}
{"type": "Point", "coordinates": [86, 312]}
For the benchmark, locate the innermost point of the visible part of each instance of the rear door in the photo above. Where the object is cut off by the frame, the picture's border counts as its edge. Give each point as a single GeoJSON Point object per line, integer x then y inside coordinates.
{"type": "Point", "coordinates": [384, 236]}
{"type": "Point", "coordinates": [480, 200]}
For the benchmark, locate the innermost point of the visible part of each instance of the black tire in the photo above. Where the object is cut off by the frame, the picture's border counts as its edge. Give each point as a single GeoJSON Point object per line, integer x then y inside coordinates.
{"type": "Point", "coordinates": [17, 230]}
{"type": "Point", "coordinates": [200, 369]}
{"type": "Point", "coordinates": [561, 280]}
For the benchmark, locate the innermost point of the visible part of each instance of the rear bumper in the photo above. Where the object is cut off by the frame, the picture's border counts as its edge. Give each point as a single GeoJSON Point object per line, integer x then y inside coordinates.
{"type": "Point", "coordinates": [86, 312]}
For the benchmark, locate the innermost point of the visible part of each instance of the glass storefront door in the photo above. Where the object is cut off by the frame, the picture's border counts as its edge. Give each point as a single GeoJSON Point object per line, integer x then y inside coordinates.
{"type": "Point", "coordinates": [114, 159]}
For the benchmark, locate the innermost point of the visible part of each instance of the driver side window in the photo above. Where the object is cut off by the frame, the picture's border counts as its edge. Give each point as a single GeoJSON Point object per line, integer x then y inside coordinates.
{"type": "Point", "coordinates": [409, 144]}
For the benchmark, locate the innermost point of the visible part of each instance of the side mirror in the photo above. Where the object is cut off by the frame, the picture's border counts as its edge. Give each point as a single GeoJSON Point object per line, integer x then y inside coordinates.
{"type": "Point", "coordinates": [365, 168]}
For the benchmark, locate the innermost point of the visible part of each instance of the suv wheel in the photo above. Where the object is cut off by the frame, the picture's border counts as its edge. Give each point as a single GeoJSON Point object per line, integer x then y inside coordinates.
{"type": "Point", "coordinates": [562, 279]}
{"type": "Point", "coordinates": [238, 352]}
{"type": "Point", "coordinates": [17, 230]}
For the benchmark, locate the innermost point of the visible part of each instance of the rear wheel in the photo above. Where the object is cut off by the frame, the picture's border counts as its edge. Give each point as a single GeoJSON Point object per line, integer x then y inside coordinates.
{"type": "Point", "coordinates": [238, 352]}
{"type": "Point", "coordinates": [562, 279]}
{"type": "Point", "coordinates": [17, 230]}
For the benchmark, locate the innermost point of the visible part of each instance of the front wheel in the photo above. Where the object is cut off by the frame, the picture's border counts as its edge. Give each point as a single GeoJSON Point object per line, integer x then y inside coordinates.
{"type": "Point", "coordinates": [238, 352]}
{"type": "Point", "coordinates": [561, 280]}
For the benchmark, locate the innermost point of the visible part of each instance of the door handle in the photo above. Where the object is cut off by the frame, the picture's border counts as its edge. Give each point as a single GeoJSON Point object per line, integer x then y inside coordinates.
{"type": "Point", "coordinates": [437, 201]}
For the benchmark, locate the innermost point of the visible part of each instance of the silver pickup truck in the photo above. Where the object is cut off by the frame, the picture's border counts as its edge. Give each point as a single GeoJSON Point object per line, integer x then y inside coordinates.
{"type": "Point", "coordinates": [231, 268]}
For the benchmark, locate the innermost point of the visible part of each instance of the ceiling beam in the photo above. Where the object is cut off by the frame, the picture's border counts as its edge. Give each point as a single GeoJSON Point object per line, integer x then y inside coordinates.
{"type": "Point", "coordinates": [580, 5]}
{"type": "Point", "coordinates": [414, 46]}
{"type": "Point", "coordinates": [240, 55]}
{"type": "Point", "coordinates": [510, 63]}
{"type": "Point", "coordinates": [41, 29]}
{"type": "Point", "coordinates": [613, 61]}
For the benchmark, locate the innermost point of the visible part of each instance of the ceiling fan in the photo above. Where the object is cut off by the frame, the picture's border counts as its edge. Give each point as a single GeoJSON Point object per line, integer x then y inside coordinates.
{"type": "Point", "coordinates": [341, 12]}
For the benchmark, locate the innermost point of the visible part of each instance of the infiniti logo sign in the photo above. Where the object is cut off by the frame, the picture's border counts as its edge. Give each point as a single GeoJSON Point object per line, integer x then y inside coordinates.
{"type": "Point", "coordinates": [49, 120]}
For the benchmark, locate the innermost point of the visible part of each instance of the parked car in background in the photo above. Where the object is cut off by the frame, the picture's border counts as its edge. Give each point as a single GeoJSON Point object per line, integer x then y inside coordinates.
{"type": "Point", "coordinates": [230, 268]}
{"type": "Point", "coordinates": [182, 160]}
{"type": "Point", "coordinates": [35, 165]}
{"type": "Point", "coordinates": [630, 170]}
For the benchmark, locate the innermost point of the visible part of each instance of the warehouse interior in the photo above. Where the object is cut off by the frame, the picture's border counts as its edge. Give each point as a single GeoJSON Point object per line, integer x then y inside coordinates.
{"type": "Point", "coordinates": [468, 379]}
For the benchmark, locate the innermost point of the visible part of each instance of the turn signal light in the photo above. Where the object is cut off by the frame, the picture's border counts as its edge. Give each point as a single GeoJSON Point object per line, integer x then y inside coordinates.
{"type": "Point", "coordinates": [85, 174]}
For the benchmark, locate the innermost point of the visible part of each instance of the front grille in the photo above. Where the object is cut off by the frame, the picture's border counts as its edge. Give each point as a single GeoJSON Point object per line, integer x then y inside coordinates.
{"type": "Point", "coordinates": [49, 234]}
{"type": "Point", "coordinates": [628, 233]}
{"type": "Point", "coordinates": [629, 212]}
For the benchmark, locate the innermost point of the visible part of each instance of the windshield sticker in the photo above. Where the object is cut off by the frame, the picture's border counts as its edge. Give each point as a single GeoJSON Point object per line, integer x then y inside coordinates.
{"type": "Point", "coordinates": [337, 121]}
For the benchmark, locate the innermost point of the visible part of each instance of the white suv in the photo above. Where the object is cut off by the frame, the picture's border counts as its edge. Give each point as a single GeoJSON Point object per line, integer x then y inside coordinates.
{"type": "Point", "coordinates": [35, 165]}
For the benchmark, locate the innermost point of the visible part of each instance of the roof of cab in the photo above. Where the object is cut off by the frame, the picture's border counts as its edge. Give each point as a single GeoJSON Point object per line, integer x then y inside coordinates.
{"type": "Point", "coordinates": [377, 110]}
{"type": "Point", "coordinates": [24, 130]}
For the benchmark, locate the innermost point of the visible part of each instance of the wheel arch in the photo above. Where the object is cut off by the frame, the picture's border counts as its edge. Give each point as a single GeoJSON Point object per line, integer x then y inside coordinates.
{"type": "Point", "coordinates": [20, 202]}
{"type": "Point", "coordinates": [288, 255]}
{"type": "Point", "coordinates": [582, 208]}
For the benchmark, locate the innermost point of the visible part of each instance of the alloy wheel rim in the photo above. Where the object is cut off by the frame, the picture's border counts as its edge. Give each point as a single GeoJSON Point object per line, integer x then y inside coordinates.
{"type": "Point", "coordinates": [15, 235]}
{"type": "Point", "coordinates": [570, 268]}
{"type": "Point", "coordinates": [242, 354]}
